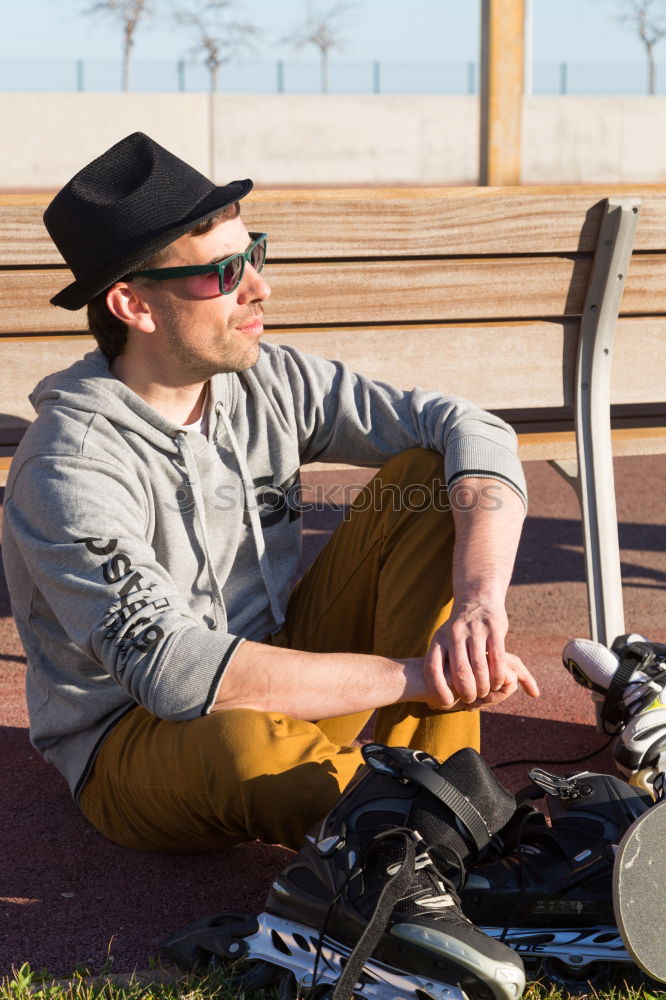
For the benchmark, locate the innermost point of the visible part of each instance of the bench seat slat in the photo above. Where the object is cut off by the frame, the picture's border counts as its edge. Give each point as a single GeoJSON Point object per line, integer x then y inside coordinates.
{"type": "Point", "coordinates": [433, 357]}
{"type": "Point", "coordinates": [537, 446]}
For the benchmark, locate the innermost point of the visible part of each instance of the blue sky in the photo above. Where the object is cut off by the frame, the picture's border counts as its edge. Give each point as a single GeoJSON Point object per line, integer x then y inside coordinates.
{"type": "Point", "coordinates": [392, 30]}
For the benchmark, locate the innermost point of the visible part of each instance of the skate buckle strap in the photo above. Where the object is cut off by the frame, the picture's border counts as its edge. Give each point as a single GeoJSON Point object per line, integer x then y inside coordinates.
{"type": "Point", "coordinates": [560, 787]}
{"type": "Point", "coordinates": [451, 797]}
{"type": "Point", "coordinates": [634, 657]}
{"type": "Point", "coordinates": [403, 763]}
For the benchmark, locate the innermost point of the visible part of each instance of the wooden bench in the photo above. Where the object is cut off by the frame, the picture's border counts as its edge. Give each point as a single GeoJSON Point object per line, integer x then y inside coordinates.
{"type": "Point", "coordinates": [507, 296]}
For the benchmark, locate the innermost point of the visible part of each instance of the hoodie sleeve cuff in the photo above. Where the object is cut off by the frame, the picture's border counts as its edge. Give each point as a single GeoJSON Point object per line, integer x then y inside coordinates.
{"type": "Point", "coordinates": [217, 679]}
{"type": "Point", "coordinates": [476, 456]}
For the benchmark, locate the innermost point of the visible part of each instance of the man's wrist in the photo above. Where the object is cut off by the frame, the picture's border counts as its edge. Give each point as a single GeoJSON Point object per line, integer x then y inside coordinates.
{"type": "Point", "coordinates": [481, 596]}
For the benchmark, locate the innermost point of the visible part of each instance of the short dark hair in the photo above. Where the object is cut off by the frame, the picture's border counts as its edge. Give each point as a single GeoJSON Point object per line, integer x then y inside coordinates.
{"type": "Point", "coordinates": [109, 331]}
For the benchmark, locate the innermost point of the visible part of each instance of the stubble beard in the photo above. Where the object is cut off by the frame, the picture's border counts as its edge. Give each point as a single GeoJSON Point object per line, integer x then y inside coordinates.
{"type": "Point", "coordinates": [237, 352]}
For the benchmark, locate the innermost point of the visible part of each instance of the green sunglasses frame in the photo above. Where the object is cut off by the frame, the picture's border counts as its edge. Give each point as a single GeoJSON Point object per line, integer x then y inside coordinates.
{"type": "Point", "coordinates": [165, 273]}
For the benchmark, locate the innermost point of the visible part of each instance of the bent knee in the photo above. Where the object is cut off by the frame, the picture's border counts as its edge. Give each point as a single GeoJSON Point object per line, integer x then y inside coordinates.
{"type": "Point", "coordinates": [415, 465]}
{"type": "Point", "coordinates": [250, 744]}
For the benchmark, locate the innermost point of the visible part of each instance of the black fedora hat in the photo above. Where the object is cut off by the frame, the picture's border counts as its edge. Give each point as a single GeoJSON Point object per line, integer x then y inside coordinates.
{"type": "Point", "coordinates": [130, 202]}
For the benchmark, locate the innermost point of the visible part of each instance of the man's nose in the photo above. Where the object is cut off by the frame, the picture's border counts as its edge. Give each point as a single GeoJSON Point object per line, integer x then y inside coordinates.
{"type": "Point", "coordinates": [253, 286]}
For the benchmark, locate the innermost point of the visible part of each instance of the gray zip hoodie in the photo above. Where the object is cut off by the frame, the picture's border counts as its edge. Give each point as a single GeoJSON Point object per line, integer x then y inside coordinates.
{"type": "Point", "coordinates": [139, 555]}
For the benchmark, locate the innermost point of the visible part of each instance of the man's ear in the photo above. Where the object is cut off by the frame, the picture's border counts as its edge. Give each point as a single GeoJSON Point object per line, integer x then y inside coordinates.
{"type": "Point", "coordinates": [125, 301]}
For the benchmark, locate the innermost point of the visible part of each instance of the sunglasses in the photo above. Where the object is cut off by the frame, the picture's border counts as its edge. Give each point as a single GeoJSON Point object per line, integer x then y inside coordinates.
{"type": "Point", "coordinates": [229, 271]}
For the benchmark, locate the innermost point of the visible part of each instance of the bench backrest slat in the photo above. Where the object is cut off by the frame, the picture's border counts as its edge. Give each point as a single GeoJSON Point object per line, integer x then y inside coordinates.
{"type": "Point", "coordinates": [444, 290]}
{"type": "Point", "coordinates": [531, 362]}
{"type": "Point", "coordinates": [326, 224]}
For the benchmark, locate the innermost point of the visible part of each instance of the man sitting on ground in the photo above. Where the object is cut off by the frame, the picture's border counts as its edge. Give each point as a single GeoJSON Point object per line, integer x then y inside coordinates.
{"type": "Point", "coordinates": [190, 695]}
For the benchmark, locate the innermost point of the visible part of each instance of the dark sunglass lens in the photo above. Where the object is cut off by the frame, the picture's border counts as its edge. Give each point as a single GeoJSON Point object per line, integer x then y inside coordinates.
{"type": "Point", "coordinates": [231, 274]}
{"type": "Point", "coordinates": [258, 255]}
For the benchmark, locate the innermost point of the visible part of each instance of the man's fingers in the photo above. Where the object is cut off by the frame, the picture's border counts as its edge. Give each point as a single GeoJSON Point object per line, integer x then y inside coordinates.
{"type": "Point", "coordinates": [461, 673]}
{"type": "Point", "coordinates": [436, 681]}
{"type": "Point", "coordinates": [478, 659]}
{"type": "Point", "coordinates": [526, 679]}
{"type": "Point", "coordinates": [497, 663]}
{"type": "Point", "coordinates": [467, 666]}
{"type": "Point", "coordinates": [523, 675]}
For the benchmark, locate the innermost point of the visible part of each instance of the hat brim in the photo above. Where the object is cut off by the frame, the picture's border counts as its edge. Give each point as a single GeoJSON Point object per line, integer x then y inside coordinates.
{"type": "Point", "coordinates": [80, 292]}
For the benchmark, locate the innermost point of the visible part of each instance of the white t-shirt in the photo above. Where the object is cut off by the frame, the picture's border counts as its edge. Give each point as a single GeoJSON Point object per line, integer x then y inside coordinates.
{"type": "Point", "coordinates": [201, 425]}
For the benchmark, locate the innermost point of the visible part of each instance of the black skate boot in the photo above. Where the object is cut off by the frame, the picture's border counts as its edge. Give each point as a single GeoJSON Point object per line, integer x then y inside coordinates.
{"type": "Point", "coordinates": [550, 893]}
{"type": "Point", "coordinates": [368, 906]}
{"type": "Point", "coordinates": [380, 870]}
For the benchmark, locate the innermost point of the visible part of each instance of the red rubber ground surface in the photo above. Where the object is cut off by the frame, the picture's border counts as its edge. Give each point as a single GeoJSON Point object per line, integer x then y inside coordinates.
{"type": "Point", "coordinates": [68, 896]}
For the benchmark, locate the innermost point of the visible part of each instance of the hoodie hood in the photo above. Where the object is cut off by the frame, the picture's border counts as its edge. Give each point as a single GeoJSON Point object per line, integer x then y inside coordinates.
{"type": "Point", "coordinates": [90, 387]}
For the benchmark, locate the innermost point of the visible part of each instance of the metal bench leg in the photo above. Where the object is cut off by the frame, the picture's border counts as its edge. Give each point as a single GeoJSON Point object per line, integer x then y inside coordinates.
{"type": "Point", "coordinates": [592, 474]}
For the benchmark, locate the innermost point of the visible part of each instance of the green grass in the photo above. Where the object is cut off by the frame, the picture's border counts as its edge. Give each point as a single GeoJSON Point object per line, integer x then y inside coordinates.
{"type": "Point", "coordinates": [28, 984]}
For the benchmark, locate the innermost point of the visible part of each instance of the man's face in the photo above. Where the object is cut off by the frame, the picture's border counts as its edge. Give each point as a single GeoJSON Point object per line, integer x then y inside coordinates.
{"type": "Point", "coordinates": [200, 330]}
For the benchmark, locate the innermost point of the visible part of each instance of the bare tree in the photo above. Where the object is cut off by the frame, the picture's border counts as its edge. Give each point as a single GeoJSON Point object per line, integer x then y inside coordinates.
{"type": "Point", "coordinates": [648, 17]}
{"type": "Point", "coordinates": [323, 31]}
{"type": "Point", "coordinates": [129, 13]}
{"type": "Point", "coordinates": [219, 38]}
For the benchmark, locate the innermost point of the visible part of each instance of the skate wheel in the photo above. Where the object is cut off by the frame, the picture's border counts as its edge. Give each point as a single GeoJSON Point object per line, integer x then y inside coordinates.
{"type": "Point", "coordinates": [251, 975]}
{"type": "Point", "coordinates": [597, 975]}
{"type": "Point", "coordinates": [211, 942]}
{"type": "Point", "coordinates": [287, 988]}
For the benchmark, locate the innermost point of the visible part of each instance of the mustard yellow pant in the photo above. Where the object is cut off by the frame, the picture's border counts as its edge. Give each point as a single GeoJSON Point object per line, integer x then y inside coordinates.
{"type": "Point", "coordinates": [382, 584]}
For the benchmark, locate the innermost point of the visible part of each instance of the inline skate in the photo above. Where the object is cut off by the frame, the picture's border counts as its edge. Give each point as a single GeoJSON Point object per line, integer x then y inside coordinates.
{"type": "Point", "coordinates": [632, 677]}
{"type": "Point", "coordinates": [368, 907]}
{"type": "Point", "coordinates": [549, 893]}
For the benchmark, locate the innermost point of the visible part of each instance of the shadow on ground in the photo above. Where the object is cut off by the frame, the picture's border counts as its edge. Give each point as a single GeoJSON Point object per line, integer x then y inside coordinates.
{"type": "Point", "coordinates": [69, 896]}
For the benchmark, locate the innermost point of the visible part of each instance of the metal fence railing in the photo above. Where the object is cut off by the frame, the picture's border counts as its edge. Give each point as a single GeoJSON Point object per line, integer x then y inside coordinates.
{"type": "Point", "coordinates": [292, 77]}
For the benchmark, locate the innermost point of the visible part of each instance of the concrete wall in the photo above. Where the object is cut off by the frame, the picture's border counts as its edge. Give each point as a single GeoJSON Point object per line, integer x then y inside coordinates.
{"type": "Point", "coordinates": [347, 140]}
{"type": "Point", "coordinates": [47, 137]}
{"type": "Point", "coordinates": [284, 139]}
{"type": "Point", "coordinates": [594, 139]}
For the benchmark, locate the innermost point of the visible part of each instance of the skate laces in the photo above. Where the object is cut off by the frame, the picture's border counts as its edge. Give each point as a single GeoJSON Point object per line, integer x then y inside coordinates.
{"type": "Point", "coordinates": [448, 856]}
{"type": "Point", "coordinates": [422, 895]}
{"type": "Point", "coordinates": [403, 877]}
{"type": "Point", "coordinates": [394, 890]}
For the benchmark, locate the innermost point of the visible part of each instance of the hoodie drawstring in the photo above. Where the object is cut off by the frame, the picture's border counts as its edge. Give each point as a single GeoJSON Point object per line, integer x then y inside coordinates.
{"type": "Point", "coordinates": [255, 520]}
{"type": "Point", "coordinates": [219, 610]}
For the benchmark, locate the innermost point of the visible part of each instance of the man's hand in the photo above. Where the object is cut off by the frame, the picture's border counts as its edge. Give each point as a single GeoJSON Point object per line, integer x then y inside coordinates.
{"type": "Point", "coordinates": [467, 662]}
